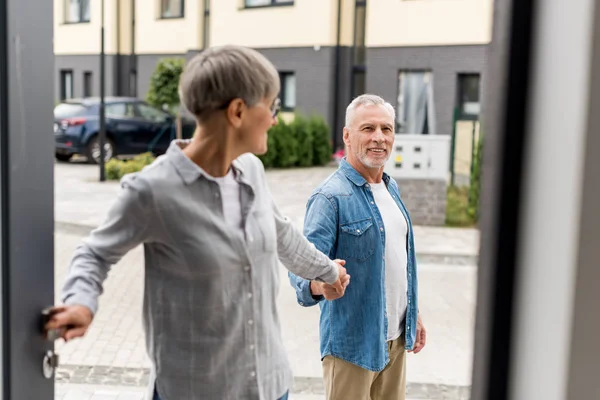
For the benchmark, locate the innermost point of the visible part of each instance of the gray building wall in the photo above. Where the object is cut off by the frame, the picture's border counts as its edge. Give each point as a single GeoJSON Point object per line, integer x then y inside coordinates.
{"type": "Point", "coordinates": [117, 76]}
{"type": "Point", "coordinates": [314, 77]}
{"type": "Point", "coordinates": [446, 62]}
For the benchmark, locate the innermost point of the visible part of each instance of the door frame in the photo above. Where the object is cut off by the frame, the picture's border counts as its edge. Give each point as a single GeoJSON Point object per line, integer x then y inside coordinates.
{"type": "Point", "coordinates": [26, 194]}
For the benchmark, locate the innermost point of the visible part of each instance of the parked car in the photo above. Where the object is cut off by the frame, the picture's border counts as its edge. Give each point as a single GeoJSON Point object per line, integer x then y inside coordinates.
{"type": "Point", "coordinates": [132, 127]}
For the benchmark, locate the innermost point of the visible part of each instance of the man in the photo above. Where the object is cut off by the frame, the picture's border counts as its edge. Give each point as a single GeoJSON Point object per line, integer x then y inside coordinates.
{"type": "Point", "coordinates": [357, 214]}
{"type": "Point", "coordinates": [212, 238]}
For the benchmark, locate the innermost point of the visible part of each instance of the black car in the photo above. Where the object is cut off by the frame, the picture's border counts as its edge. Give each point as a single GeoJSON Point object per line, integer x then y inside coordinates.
{"type": "Point", "coordinates": [132, 127]}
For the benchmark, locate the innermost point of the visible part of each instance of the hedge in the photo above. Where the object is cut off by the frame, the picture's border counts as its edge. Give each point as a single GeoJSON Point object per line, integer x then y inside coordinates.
{"type": "Point", "coordinates": [304, 142]}
{"type": "Point", "coordinates": [116, 169]}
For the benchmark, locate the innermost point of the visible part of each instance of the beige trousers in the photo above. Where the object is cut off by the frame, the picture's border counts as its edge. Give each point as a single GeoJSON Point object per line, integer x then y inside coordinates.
{"type": "Point", "coordinates": [346, 381]}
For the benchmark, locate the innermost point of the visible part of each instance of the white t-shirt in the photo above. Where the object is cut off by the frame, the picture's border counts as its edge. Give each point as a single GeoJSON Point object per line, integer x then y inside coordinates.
{"type": "Point", "coordinates": [230, 196]}
{"type": "Point", "coordinates": [396, 258]}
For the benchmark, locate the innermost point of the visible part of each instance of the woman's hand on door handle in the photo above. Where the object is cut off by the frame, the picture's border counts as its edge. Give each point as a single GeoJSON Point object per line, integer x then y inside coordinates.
{"type": "Point", "coordinates": [72, 321]}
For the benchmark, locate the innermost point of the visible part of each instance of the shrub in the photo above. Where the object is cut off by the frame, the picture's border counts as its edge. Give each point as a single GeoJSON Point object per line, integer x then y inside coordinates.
{"type": "Point", "coordinates": [321, 140]}
{"type": "Point", "coordinates": [286, 145]}
{"type": "Point", "coordinates": [475, 185]}
{"type": "Point", "coordinates": [301, 143]}
{"type": "Point", "coordinates": [164, 83]}
{"type": "Point", "coordinates": [457, 201]}
{"type": "Point", "coordinates": [116, 169]}
{"type": "Point", "coordinates": [303, 134]}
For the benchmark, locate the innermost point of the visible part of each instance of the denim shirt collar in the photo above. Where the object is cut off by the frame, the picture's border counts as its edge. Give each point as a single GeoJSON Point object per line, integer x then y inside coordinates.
{"type": "Point", "coordinates": [190, 171]}
{"type": "Point", "coordinates": [355, 177]}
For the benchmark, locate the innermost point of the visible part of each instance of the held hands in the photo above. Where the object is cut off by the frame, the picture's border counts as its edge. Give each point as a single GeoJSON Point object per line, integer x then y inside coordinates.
{"type": "Point", "coordinates": [72, 321]}
{"type": "Point", "coordinates": [334, 291]}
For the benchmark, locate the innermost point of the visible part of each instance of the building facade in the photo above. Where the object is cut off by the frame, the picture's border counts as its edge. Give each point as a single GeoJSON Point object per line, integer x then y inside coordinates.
{"type": "Point", "coordinates": [426, 57]}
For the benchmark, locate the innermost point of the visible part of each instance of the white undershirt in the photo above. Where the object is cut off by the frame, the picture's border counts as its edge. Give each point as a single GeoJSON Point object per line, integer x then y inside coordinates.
{"type": "Point", "coordinates": [230, 196]}
{"type": "Point", "coordinates": [396, 259]}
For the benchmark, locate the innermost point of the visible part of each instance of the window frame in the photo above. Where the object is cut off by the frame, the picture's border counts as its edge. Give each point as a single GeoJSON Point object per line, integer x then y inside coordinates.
{"type": "Point", "coordinates": [431, 112]}
{"type": "Point", "coordinates": [63, 90]}
{"type": "Point", "coordinates": [88, 84]}
{"type": "Point", "coordinates": [162, 15]}
{"type": "Point", "coordinates": [272, 3]}
{"type": "Point", "coordinates": [282, 90]}
{"type": "Point", "coordinates": [81, 19]}
{"type": "Point", "coordinates": [461, 115]}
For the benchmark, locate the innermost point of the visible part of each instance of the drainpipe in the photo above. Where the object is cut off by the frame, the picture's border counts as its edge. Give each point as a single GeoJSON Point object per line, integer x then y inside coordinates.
{"type": "Point", "coordinates": [118, 80]}
{"type": "Point", "coordinates": [336, 84]}
{"type": "Point", "coordinates": [133, 57]}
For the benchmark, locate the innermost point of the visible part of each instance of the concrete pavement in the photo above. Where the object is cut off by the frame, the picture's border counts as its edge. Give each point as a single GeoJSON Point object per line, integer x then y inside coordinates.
{"type": "Point", "coordinates": [113, 353]}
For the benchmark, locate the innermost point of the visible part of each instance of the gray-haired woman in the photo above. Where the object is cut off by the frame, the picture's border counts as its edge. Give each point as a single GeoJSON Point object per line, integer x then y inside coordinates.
{"type": "Point", "coordinates": [212, 238]}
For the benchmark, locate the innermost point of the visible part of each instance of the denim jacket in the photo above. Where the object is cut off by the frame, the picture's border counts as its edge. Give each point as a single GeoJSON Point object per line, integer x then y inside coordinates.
{"type": "Point", "coordinates": [343, 221]}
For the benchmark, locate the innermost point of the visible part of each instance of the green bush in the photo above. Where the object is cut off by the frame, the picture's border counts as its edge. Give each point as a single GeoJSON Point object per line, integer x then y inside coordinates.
{"type": "Point", "coordinates": [286, 146]}
{"type": "Point", "coordinates": [302, 133]}
{"type": "Point", "coordinates": [475, 185]}
{"type": "Point", "coordinates": [301, 143]}
{"type": "Point", "coordinates": [457, 201]}
{"type": "Point", "coordinates": [321, 141]}
{"type": "Point", "coordinates": [164, 83]}
{"type": "Point", "coordinates": [116, 169]}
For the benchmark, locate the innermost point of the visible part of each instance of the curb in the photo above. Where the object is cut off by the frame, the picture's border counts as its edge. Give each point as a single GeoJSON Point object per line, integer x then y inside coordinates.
{"type": "Point", "coordinates": [138, 377]}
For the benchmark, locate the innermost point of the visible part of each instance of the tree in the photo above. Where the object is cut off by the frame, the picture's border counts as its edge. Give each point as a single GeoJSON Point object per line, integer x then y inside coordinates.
{"type": "Point", "coordinates": [164, 84]}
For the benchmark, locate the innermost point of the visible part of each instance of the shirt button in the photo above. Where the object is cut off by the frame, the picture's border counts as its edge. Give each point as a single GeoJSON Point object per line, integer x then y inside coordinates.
{"type": "Point", "coordinates": [251, 347]}
{"type": "Point", "coordinates": [381, 229]}
{"type": "Point", "coordinates": [367, 185]}
{"type": "Point", "coordinates": [408, 328]}
{"type": "Point", "coordinates": [372, 202]}
{"type": "Point", "coordinates": [301, 303]}
{"type": "Point", "coordinates": [247, 268]}
{"type": "Point", "coordinates": [358, 231]}
{"type": "Point", "coordinates": [250, 322]}
{"type": "Point", "coordinates": [249, 295]}
{"type": "Point", "coordinates": [253, 374]}
{"type": "Point", "coordinates": [251, 239]}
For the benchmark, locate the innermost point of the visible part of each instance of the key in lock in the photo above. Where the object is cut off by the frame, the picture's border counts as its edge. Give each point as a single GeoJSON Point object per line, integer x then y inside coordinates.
{"type": "Point", "coordinates": [51, 358]}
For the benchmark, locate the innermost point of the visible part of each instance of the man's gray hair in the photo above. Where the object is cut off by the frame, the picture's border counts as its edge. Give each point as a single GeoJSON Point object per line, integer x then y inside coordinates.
{"type": "Point", "coordinates": [367, 100]}
{"type": "Point", "coordinates": [218, 75]}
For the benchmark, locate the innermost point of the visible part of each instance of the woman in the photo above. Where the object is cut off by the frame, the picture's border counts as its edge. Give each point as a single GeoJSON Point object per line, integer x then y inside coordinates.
{"type": "Point", "coordinates": [212, 238]}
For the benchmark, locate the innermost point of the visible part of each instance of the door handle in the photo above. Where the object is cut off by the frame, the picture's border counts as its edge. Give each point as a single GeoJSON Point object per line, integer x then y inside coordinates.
{"type": "Point", "coordinates": [51, 359]}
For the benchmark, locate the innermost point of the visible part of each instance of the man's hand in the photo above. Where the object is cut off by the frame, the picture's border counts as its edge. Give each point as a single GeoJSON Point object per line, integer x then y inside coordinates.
{"type": "Point", "coordinates": [421, 337]}
{"type": "Point", "coordinates": [73, 321]}
{"type": "Point", "coordinates": [335, 291]}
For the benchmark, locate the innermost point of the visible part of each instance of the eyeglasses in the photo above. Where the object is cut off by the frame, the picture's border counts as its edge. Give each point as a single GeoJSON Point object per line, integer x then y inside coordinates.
{"type": "Point", "coordinates": [276, 107]}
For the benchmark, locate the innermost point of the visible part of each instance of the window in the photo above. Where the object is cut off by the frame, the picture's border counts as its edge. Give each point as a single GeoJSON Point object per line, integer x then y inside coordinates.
{"type": "Point", "coordinates": [77, 11]}
{"type": "Point", "coordinates": [288, 91]}
{"type": "Point", "coordinates": [416, 112]}
{"type": "Point", "coordinates": [468, 96]}
{"type": "Point", "coordinates": [87, 84]}
{"type": "Point", "coordinates": [171, 9]}
{"type": "Point", "coordinates": [133, 83]}
{"type": "Point", "coordinates": [267, 3]}
{"type": "Point", "coordinates": [152, 114]}
{"type": "Point", "coordinates": [120, 110]}
{"type": "Point", "coordinates": [66, 84]}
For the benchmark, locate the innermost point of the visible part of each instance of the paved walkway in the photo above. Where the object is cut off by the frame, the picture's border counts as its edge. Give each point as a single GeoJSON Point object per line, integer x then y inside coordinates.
{"type": "Point", "coordinates": [81, 199]}
{"type": "Point", "coordinates": [113, 355]}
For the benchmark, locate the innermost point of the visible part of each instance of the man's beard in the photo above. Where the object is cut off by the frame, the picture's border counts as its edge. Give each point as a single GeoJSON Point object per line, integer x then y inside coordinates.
{"type": "Point", "coordinates": [364, 159]}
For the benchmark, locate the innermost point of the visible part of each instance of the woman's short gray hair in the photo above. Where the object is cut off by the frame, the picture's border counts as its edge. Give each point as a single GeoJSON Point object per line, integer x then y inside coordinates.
{"type": "Point", "coordinates": [367, 100]}
{"type": "Point", "coordinates": [220, 74]}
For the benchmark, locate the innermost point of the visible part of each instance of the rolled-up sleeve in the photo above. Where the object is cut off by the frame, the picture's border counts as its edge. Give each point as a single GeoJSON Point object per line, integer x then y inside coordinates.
{"type": "Point", "coordinates": [320, 228]}
{"type": "Point", "coordinates": [125, 227]}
